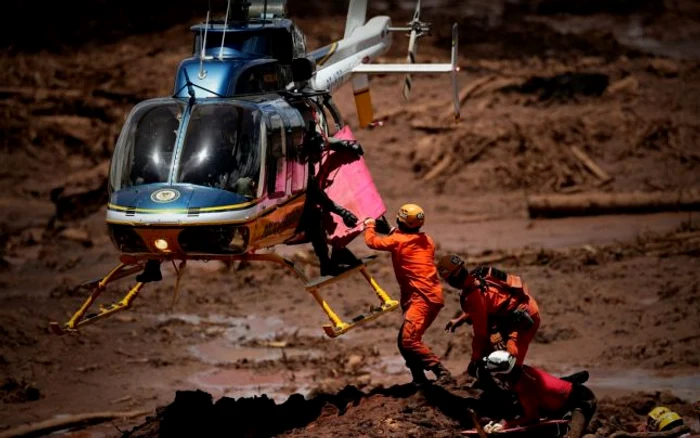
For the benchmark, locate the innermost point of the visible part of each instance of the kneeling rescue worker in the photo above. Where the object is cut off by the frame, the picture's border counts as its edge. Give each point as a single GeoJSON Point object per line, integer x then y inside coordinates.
{"type": "Point", "coordinates": [492, 298]}
{"type": "Point", "coordinates": [413, 257]}
{"type": "Point", "coordinates": [541, 395]}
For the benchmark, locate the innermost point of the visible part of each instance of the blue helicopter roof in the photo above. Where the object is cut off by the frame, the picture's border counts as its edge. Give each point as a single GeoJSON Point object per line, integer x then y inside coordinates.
{"type": "Point", "coordinates": [245, 26]}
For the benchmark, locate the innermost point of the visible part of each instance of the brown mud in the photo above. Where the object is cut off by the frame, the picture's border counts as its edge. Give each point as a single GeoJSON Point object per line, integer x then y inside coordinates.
{"type": "Point", "coordinates": [619, 295]}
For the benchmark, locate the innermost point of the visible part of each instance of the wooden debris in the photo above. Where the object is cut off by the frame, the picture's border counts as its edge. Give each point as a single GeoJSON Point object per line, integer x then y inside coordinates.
{"type": "Point", "coordinates": [433, 128]}
{"type": "Point", "coordinates": [481, 86]}
{"type": "Point", "coordinates": [596, 203]}
{"type": "Point", "coordinates": [673, 433]}
{"type": "Point", "coordinates": [499, 257]}
{"type": "Point", "coordinates": [439, 168]}
{"type": "Point", "coordinates": [126, 398]}
{"type": "Point", "coordinates": [475, 419]}
{"type": "Point", "coordinates": [69, 421]}
{"type": "Point", "coordinates": [590, 164]}
{"type": "Point", "coordinates": [469, 90]}
{"type": "Point", "coordinates": [627, 85]}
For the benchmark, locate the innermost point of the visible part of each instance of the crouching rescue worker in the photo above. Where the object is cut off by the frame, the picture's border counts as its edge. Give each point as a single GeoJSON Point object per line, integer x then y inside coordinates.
{"type": "Point", "coordinates": [413, 257]}
{"type": "Point", "coordinates": [493, 301]}
{"type": "Point", "coordinates": [541, 395]}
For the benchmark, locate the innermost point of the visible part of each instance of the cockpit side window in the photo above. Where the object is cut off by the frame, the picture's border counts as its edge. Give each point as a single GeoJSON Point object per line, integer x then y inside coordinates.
{"type": "Point", "coordinates": [276, 151]}
{"type": "Point", "coordinates": [144, 151]}
{"type": "Point", "coordinates": [221, 149]}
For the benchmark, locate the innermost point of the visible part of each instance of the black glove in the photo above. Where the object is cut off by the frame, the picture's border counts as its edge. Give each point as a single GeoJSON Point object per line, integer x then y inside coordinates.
{"type": "Point", "coordinates": [351, 145]}
{"type": "Point", "coordinates": [349, 219]}
{"type": "Point", "coordinates": [473, 369]}
{"type": "Point", "coordinates": [521, 318]}
{"type": "Point", "coordinates": [382, 226]}
{"type": "Point", "coordinates": [356, 147]}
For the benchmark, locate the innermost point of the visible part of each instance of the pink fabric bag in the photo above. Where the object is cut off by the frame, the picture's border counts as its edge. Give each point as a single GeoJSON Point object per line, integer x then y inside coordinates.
{"type": "Point", "coordinates": [347, 181]}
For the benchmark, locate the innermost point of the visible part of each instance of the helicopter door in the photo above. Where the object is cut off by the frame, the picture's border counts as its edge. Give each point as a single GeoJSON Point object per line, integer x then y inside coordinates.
{"type": "Point", "coordinates": [297, 169]}
{"type": "Point", "coordinates": [278, 185]}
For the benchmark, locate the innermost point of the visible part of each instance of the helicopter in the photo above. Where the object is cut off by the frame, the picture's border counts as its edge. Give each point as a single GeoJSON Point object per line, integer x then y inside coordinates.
{"type": "Point", "coordinates": [214, 172]}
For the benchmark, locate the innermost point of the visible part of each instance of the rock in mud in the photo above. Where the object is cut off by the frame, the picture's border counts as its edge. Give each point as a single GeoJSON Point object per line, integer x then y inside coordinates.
{"type": "Point", "coordinates": [354, 362]}
{"type": "Point", "coordinates": [664, 67]}
{"type": "Point", "coordinates": [627, 85]}
{"type": "Point", "coordinates": [13, 391]}
{"type": "Point", "coordinates": [77, 235]}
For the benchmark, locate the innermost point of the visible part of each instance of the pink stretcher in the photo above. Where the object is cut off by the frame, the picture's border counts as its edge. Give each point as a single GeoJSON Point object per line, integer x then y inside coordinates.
{"type": "Point", "coordinates": [346, 179]}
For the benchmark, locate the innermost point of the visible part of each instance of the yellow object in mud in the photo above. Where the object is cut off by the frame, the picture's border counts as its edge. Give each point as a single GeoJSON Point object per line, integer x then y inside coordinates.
{"type": "Point", "coordinates": [657, 412]}
{"type": "Point", "coordinates": [662, 419]}
{"type": "Point", "coordinates": [669, 421]}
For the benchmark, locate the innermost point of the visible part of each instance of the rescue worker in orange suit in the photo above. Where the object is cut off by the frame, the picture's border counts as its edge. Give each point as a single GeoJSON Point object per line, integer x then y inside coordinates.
{"type": "Point", "coordinates": [491, 298]}
{"type": "Point", "coordinates": [541, 395]}
{"type": "Point", "coordinates": [413, 257]}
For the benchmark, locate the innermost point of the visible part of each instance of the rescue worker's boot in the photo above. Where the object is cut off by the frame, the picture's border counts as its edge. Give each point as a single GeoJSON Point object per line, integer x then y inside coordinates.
{"type": "Point", "coordinates": [442, 374]}
{"type": "Point", "coordinates": [418, 375]}
{"type": "Point", "coordinates": [344, 258]}
{"type": "Point", "coordinates": [150, 273]}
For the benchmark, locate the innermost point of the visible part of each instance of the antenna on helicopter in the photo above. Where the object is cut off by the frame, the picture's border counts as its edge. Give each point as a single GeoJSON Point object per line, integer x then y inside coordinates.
{"type": "Point", "coordinates": [190, 88]}
{"type": "Point", "coordinates": [223, 37]}
{"type": "Point", "coordinates": [202, 73]}
{"type": "Point", "coordinates": [264, 17]}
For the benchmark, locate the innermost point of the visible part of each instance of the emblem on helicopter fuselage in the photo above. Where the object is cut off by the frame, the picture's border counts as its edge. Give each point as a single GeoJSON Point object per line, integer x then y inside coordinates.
{"type": "Point", "coordinates": [163, 196]}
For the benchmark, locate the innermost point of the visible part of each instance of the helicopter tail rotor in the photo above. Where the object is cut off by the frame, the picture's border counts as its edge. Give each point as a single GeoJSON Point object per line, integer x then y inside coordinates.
{"type": "Point", "coordinates": [417, 30]}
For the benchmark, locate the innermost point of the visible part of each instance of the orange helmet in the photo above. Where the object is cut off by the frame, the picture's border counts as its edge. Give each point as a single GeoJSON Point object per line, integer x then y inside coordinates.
{"type": "Point", "coordinates": [449, 264]}
{"type": "Point", "coordinates": [411, 215]}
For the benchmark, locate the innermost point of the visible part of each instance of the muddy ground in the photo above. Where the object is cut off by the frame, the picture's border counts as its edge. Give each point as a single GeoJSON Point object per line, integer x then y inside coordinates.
{"type": "Point", "coordinates": [619, 295]}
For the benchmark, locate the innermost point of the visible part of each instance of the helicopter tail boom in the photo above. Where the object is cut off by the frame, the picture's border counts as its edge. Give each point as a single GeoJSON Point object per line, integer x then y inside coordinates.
{"type": "Point", "coordinates": [351, 59]}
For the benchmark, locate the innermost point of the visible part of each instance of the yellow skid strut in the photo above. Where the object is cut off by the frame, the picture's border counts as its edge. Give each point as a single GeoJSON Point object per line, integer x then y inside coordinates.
{"type": "Point", "coordinates": [79, 319]}
{"type": "Point", "coordinates": [338, 326]}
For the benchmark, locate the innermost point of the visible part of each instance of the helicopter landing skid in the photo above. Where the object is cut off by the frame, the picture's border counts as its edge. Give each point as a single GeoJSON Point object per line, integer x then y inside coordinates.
{"type": "Point", "coordinates": [132, 265]}
{"type": "Point", "coordinates": [338, 326]}
{"type": "Point", "coordinates": [97, 287]}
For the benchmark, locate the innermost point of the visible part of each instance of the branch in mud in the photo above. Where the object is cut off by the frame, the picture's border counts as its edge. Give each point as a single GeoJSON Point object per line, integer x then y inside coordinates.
{"type": "Point", "coordinates": [681, 243]}
{"type": "Point", "coordinates": [673, 433]}
{"type": "Point", "coordinates": [590, 204]}
{"type": "Point", "coordinates": [69, 421]}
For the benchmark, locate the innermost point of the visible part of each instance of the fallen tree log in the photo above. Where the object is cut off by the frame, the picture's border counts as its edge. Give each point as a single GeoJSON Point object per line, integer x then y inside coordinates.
{"type": "Point", "coordinates": [69, 421]}
{"type": "Point", "coordinates": [590, 204]}
{"type": "Point", "coordinates": [673, 433]}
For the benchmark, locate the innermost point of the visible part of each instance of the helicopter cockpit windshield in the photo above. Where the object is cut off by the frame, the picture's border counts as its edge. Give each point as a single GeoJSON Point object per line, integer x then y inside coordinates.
{"type": "Point", "coordinates": [144, 152]}
{"type": "Point", "coordinates": [221, 147]}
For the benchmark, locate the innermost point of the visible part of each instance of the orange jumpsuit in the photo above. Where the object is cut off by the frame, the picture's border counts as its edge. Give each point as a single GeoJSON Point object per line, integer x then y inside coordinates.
{"type": "Point", "coordinates": [495, 305]}
{"type": "Point", "coordinates": [413, 256]}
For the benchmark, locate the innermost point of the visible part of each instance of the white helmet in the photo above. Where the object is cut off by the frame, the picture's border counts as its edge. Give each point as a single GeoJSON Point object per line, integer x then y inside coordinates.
{"type": "Point", "coordinates": [499, 362]}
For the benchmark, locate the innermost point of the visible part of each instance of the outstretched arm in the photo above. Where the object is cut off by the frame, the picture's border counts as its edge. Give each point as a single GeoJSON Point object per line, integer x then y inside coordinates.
{"type": "Point", "coordinates": [374, 241]}
{"type": "Point", "coordinates": [327, 204]}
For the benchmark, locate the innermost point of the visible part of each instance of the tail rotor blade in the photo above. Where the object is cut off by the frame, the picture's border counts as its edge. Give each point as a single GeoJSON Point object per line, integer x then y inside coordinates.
{"type": "Point", "coordinates": [412, 43]}
{"type": "Point", "coordinates": [411, 59]}
{"type": "Point", "coordinates": [416, 13]}
{"type": "Point", "coordinates": [455, 69]}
